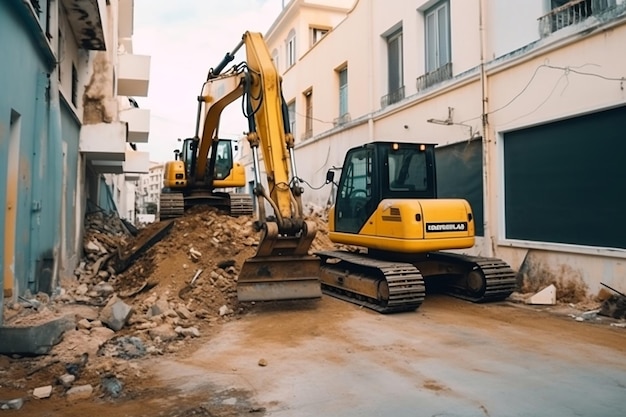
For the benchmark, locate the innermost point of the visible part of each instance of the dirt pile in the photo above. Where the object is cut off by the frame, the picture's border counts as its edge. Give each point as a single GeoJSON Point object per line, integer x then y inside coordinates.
{"type": "Point", "coordinates": [175, 292]}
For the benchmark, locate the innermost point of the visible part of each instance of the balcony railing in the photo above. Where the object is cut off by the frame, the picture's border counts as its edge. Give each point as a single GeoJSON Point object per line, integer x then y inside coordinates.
{"type": "Point", "coordinates": [342, 120]}
{"type": "Point", "coordinates": [393, 97]}
{"type": "Point", "coordinates": [437, 76]}
{"type": "Point", "coordinates": [571, 13]}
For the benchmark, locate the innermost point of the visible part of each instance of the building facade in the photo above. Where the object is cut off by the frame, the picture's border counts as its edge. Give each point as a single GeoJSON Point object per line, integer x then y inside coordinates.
{"type": "Point", "coordinates": [524, 98]}
{"type": "Point", "coordinates": [67, 130]}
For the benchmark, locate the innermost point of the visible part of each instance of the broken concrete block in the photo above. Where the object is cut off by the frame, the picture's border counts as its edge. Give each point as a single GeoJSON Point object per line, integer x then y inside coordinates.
{"type": "Point", "coordinates": [547, 296]}
{"type": "Point", "coordinates": [42, 392]}
{"type": "Point", "coordinates": [15, 404]}
{"type": "Point", "coordinates": [164, 333]}
{"type": "Point", "coordinates": [34, 340]}
{"type": "Point", "coordinates": [79, 392]}
{"type": "Point", "coordinates": [116, 313]}
{"type": "Point", "coordinates": [187, 331]}
{"type": "Point", "coordinates": [66, 380]}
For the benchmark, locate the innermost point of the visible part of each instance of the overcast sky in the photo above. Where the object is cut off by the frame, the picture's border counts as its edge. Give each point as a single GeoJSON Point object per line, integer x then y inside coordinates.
{"type": "Point", "coordinates": [185, 38]}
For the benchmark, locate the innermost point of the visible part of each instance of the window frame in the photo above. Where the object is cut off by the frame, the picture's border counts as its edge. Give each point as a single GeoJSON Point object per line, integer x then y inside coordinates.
{"type": "Point", "coordinates": [434, 46]}
{"type": "Point", "coordinates": [290, 46]}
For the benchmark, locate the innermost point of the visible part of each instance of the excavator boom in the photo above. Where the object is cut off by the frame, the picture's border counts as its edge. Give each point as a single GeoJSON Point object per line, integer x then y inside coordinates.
{"type": "Point", "coordinates": [282, 268]}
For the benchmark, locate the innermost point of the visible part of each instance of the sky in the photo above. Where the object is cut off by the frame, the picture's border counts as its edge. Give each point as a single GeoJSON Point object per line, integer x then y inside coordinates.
{"type": "Point", "coordinates": [186, 38]}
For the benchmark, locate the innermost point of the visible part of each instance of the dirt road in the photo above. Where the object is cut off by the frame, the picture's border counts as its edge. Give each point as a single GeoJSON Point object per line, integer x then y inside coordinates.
{"type": "Point", "coordinates": [331, 358]}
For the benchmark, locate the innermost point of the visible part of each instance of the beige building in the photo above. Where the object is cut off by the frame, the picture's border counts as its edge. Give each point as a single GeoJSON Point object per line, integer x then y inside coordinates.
{"type": "Point", "coordinates": [525, 99]}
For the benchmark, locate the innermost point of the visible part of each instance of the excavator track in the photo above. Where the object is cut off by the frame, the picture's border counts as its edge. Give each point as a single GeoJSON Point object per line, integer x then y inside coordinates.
{"type": "Point", "coordinates": [241, 204]}
{"type": "Point", "coordinates": [171, 205]}
{"type": "Point", "coordinates": [383, 286]}
{"type": "Point", "coordinates": [487, 279]}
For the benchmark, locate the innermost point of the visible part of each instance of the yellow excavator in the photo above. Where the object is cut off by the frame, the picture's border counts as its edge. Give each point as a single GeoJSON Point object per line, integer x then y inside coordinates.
{"type": "Point", "coordinates": [386, 201]}
{"type": "Point", "coordinates": [205, 164]}
{"type": "Point", "coordinates": [282, 268]}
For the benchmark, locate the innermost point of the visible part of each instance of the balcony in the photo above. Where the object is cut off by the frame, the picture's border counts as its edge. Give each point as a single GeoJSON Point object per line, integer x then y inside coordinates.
{"type": "Point", "coordinates": [342, 120]}
{"type": "Point", "coordinates": [103, 142]}
{"type": "Point", "coordinates": [136, 163]}
{"type": "Point", "coordinates": [138, 121]}
{"type": "Point", "coordinates": [87, 19]}
{"type": "Point", "coordinates": [393, 97]}
{"type": "Point", "coordinates": [435, 77]}
{"type": "Point", "coordinates": [572, 13]}
{"type": "Point", "coordinates": [133, 75]}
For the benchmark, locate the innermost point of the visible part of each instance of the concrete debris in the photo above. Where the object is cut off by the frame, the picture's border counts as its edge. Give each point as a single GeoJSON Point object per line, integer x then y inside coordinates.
{"type": "Point", "coordinates": [621, 325]}
{"type": "Point", "coordinates": [116, 313]}
{"type": "Point", "coordinates": [225, 310]}
{"type": "Point", "coordinates": [546, 296]}
{"type": "Point", "coordinates": [42, 392]}
{"type": "Point", "coordinates": [66, 380]}
{"type": "Point", "coordinates": [154, 304]}
{"type": "Point", "coordinates": [194, 254]}
{"type": "Point", "coordinates": [15, 404]}
{"type": "Point", "coordinates": [79, 392]}
{"type": "Point", "coordinates": [112, 386]}
{"type": "Point", "coordinates": [187, 331]}
{"type": "Point", "coordinates": [614, 306]}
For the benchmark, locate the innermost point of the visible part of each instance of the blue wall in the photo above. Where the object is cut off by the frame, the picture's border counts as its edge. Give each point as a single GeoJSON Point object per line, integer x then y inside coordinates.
{"type": "Point", "coordinates": [28, 89]}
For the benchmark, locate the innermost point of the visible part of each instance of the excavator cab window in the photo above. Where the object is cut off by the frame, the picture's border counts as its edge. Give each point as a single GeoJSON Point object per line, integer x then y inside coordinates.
{"type": "Point", "coordinates": [354, 195]}
{"type": "Point", "coordinates": [224, 159]}
{"type": "Point", "coordinates": [410, 171]}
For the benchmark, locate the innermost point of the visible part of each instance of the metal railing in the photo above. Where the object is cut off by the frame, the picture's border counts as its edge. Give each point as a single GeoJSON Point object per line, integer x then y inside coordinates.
{"type": "Point", "coordinates": [393, 97]}
{"type": "Point", "coordinates": [429, 79]}
{"type": "Point", "coordinates": [571, 13]}
{"type": "Point", "coordinates": [342, 120]}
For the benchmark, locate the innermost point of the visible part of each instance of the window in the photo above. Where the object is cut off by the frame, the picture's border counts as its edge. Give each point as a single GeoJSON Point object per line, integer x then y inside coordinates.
{"type": "Point", "coordinates": [291, 107]}
{"type": "Point", "coordinates": [291, 48]}
{"type": "Point", "coordinates": [395, 69]}
{"type": "Point", "coordinates": [356, 191]}
{"type": "Point", "coordinates": [437, 24]}
{"type": "Point", "coordinates": [275, 59]}
{"type": "Point", "coordinates": [343, 92]}
{"type": "Point", "coordinates": [317, 34]}
{"type": "Point", "coordinates": [308, 122]}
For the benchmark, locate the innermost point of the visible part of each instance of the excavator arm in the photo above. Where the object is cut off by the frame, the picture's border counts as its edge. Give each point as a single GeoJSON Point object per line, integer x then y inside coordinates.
{"type": "Point", "coordinates": [282, 267]}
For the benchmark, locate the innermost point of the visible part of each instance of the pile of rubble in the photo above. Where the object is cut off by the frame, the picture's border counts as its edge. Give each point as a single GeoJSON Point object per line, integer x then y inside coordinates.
{"type": "Point", "coordinates": [178, 289]}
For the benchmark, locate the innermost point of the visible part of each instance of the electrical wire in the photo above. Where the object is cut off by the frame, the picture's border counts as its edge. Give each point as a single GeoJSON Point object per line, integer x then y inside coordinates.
{"type": "Point", "coordinates": [566, 71]}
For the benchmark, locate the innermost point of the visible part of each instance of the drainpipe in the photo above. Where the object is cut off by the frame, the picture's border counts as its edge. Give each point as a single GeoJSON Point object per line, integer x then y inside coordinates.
{"type": "Point", "coordinates": [370, 66]}
{"type": "Point", "coordinates": [489, 244]}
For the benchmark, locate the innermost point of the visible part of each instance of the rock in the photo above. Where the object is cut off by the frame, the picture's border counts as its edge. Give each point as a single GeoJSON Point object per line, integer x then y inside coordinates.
{"type": "Point", "coordinates": [183, 313]}
{"type": "Point", "coordinates": [83, 324]}
{"type": "Point", "coordinates": [112, 386]}
{"type": "Point", "coordinates": [66, 380]}
{"type": "Point", "coordinates": [262, 362]}
{"type": "Point", "coordinates": [187, 331]}
{"type": "Point", "coordinates": [42, 392]}
{"type": "Point", "coordinates": [164, 333]}
{"type": "Point", "coordinates": [82, 289]}
{"type": "Point", "coordinates": [160, 307]}
{"type": "Point", "coordinates": [15, 404]}
{"type": "Point", "coordinates": [194, 254]}
{"type": "Point", "coordinates": [79, 392]}
{"type": "Point", "coordinates": [224, 310]}
{"type": "Point", "coordinates": [116, 313]}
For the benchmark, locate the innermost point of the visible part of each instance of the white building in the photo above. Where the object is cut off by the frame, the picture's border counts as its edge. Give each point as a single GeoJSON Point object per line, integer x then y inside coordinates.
{"type": "Point", "coordinates": [525, 98]}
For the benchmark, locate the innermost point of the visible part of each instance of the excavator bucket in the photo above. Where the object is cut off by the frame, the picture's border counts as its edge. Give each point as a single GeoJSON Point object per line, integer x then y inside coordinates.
{"type": "Point", "coordinates": [279, 278]}
{"type": "Point", "coordinates": [282, 269]}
